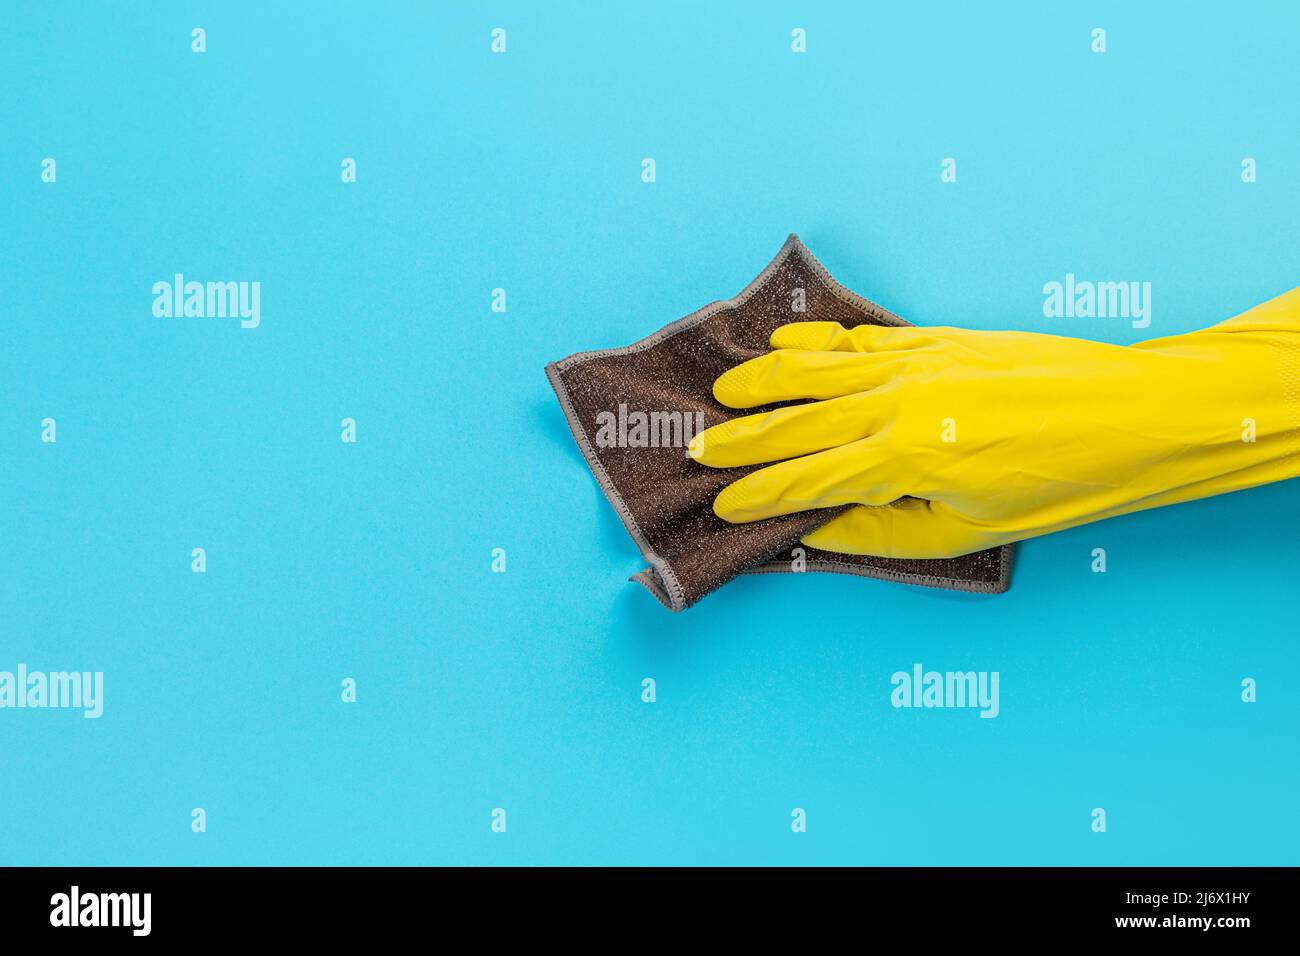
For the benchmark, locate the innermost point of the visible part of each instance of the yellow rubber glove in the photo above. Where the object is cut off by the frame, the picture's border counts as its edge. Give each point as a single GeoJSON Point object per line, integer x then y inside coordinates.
{"type": "Point", "coordinates": [961, 440]}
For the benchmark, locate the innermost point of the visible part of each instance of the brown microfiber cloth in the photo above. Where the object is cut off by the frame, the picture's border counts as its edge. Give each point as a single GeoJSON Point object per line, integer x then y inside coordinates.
{"type": "Point", "coordinates": [665, 497]}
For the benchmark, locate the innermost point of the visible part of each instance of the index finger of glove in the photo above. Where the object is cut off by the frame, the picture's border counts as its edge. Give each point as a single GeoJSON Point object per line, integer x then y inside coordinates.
{"type": "Point", "coordinates": [790, 374]}
{"type": "Point", "coordinates": [833, 337]}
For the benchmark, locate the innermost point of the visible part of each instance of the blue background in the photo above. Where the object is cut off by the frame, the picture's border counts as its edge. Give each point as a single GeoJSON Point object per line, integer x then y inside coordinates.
{"type": "Point", "coordinates": [481, 690]}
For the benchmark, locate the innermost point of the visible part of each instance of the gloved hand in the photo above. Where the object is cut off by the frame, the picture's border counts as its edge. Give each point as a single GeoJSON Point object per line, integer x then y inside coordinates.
{"type": "Point", "coordinates": [956, 440]}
